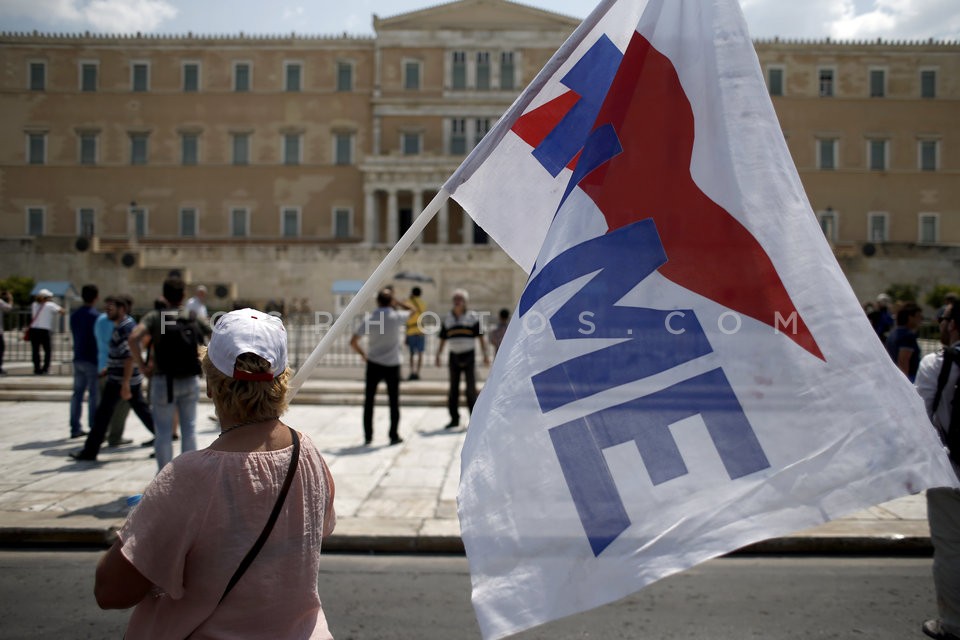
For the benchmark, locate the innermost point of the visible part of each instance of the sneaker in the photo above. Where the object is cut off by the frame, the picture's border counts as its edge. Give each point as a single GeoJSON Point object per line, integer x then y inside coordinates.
{"type": "Point", "coordinates": [934, 629]}
{"type": "Point", "coordinates": [396, 440]}
{"type": "Point", "coordinates": [80, 456]}
{"type": "Point", "coordinates": [78, 434]}
{"type": "Point", "coordinates": [148, 443]}
{"type": "Point", "coordinates": [452, 425]}
{"type": "Point", "coordinates": [414, 376]}
{"type": "Point", "coordinates": [120, 442]}
{"type": "Point", "coordinates": [366, 442]}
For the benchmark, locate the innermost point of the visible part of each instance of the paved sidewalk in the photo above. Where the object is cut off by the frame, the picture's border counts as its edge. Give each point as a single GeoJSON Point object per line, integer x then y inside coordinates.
{"type": "Point", "coordinates": [390, 499]}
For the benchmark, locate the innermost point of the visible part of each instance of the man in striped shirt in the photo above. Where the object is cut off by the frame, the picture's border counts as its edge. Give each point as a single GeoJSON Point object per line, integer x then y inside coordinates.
{"type": "Point", "coordinates": [123, 380]}
{"type": "Point", "coordinates": [460, 329]}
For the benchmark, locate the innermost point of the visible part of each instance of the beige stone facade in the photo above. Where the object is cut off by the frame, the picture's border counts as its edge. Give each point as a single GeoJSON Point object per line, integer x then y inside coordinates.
{"type": "Point", "coordinates": [277, 167]}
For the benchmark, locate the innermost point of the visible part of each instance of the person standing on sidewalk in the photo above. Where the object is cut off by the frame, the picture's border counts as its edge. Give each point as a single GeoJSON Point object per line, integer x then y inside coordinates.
{"type": "Point", "coordinates": [6, 304]}
{"type": "Point", "coordinates": [85, 372]}
{"type": "Point", "coordinates": [123, 380]}
{"type": "Point", "coordinates": [461, 328]}
{"type": "Point", "coordinates": [384, 329]}
{"type": "Point", "coordinates": [415, 337]}
{"type": "Point", "coordinates": [176, 334]}
{"type": "Point", "coordinates": [183, 547]}
{"type": "Point", "coordinates": [937, 378]}
{"type": "Point", "coordinates": [103, 330]}
{"type": "Point", "coordinates": [44, 314]}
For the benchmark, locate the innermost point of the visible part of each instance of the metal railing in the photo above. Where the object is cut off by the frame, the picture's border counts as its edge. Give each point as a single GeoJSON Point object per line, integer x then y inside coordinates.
{"type": "Point", "coordinates": [303, 335]}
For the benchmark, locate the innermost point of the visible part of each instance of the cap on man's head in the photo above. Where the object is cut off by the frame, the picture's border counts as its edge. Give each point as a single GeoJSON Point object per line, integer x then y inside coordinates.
{"type": "Point", "coordinates": [44, 293]}
{"type": "Point", "coordinates": [883, 298]}
{"type": "Point", "coordinates": [200, 288]}
{"type": "Point", "coordinates": [248, 331]}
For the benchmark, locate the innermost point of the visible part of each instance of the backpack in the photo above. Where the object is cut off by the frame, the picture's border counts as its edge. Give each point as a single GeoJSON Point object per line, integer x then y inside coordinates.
{"type": "Point", "coordinates": [176, 351]}
{"type": "Point", "coordinates": [950, 439]}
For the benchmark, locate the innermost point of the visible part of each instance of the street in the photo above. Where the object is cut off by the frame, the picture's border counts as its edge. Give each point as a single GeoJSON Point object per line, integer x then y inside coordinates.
{"type": "Point", "coordinates": [48, 594]}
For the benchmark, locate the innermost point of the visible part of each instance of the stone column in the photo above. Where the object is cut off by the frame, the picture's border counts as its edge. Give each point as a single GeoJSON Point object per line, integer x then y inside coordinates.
{"type": "Point", "coordinates": [443, 223]}
{"type": "Point", "coordinates": [417, 207]}
{"type": "Point", "coordinates": [393, 217]}
{"type": "Point", "coordinates": [369, 217]}
{"type": "Point", "coordinates": [467, 239]}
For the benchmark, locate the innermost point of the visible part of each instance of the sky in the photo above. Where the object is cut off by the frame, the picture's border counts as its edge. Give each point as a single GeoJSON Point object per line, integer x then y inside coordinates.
{"type": "Point", "coordinates": [807, 19]}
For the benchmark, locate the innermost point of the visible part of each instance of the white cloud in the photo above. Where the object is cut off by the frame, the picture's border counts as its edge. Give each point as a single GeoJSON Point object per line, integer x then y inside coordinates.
{"type": "Point", "coordinates": [854, 19]}
{"type": "Point", "coordinates": [115, 16]}
{"type": "Point", "coordinates": [292, 13]}
{"type": "Point", "coordinates": [125, 16]}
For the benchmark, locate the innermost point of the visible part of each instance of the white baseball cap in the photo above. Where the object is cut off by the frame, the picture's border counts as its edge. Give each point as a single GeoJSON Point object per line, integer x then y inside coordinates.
{"type": "Point", "coordinates": [248, 331]}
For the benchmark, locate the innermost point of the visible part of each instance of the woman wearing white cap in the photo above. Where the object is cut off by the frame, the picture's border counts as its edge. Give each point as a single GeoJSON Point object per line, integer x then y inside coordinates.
{"type": "Point", "coordinates": [43, 316]}
{"type": "Point", "coordinates": [226, 540]}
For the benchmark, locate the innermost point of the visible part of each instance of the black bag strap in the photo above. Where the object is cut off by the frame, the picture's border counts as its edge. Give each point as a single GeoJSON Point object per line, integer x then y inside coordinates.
{"type": "Point", "coordinates": [949, 355]}
{"type": "Point", "coordinates": [255, 549]}
{"type": "Point", "coordinates": [258, 545]}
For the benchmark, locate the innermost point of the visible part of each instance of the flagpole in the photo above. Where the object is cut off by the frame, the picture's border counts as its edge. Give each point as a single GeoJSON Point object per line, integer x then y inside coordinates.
{"type": "Point", "coordinates": [366, 291]}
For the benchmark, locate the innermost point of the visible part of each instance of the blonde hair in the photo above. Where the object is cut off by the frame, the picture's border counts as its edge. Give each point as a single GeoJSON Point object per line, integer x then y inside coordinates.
{"type": "Point", "coordinates": [247, 399]}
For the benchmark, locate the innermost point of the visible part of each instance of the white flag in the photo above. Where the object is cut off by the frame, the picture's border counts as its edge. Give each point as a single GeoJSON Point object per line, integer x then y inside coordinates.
{"type": "Point", "coordinates": [688, 371]}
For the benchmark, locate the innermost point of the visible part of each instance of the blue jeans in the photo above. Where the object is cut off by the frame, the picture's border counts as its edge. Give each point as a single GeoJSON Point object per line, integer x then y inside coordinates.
{"type": "Point", "coordinates": [186, 392]}
{"type": "Point", "coordinates": [85, 379]}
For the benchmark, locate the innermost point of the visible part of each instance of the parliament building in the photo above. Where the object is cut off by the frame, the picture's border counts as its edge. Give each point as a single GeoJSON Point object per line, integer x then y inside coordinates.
{"type": "Point", "coordinates": [279, 167]}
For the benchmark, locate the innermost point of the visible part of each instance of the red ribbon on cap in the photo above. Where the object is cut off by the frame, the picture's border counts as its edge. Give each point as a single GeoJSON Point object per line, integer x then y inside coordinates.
{"type": "Point", "coordinates": [263, 376]}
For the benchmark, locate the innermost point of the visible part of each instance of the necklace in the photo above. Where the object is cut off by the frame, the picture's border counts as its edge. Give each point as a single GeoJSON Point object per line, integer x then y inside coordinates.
{"type": "Point", "coordinates": [246, 424]}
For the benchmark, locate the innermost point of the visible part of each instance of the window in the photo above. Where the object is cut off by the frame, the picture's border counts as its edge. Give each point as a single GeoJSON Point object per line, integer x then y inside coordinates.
{"type": "Point", "coordinates": [36, 148]}
{"type": "Point", "coordinates": [411, 75]}
{"type": "Point", "coordinates": [928, 83]}
{"type": "Point", "coordinates": [826, 83]}
{"type": "Point", "coordinates": [241, 76]}
{"type": "Point", "coordinates": [188, 222]}
{"type": "Point", "coordinates": [877, 150]}
{"type": "Point", "coordinates": [290, 222]}
{"type": "Point", "coordinates": [189, 148]}
{"type": "Point", "coordinates": [828, 223]}
{"type": "Point", "coordinates": [343, 148]}
{"type": "Point", "coordinates": [88, 148]}
{"type": "Point", "coordinates": [929, 155]}
{"type": "Point", "coordinates": [342, 222]}
{"type": "Point", "coordinates": [410, 144]}
{"type": "Point", "coordinates": [877, 227]}
{"type": "Point", "coordinates": [35, 221]}
{"type": "Point", "coordinates": [775, 81]}
{"type": "Point", "coordinates": [85, 222]}
{"type": "Point", "coordinates": [483, 70]}
{"type": "Point", "coordinates": [238, 223]}
{"type": "Point", "coordinates": [138, 148]}
{"type": "Point", "coordinates": [508, 80]}
{"type": "Point", "coordinates": [827, 154]}
{"type": "Point", "coordinates": [191, 77]}
{"type": "Point", "coordinates": [458, 137]}
{"type": "Point", "coordinates": [292, 74]}
{"type": "Point", "coordinates": [141, 76]}
{"type": "Point", "coordinates": [291, 148]}
{"type": "Point", "coordinates": [88, 76]}
{"type": "Point", "coordinates": [482, 126]}
{"type": "Point", "coordinates": [459, 70]}
{"type": "Point", "coordinates": [878, 83]}
{"type": "Point", "coordinates": [929, 231]}
{"type": "Point", "coordinates": [139, 221]}
{"type": "Point", "coordinates": [38, 76]}
{"type": "Point", "coordinates": [344, 76]}
{"type": "Point", "coordinates": [241, 148]}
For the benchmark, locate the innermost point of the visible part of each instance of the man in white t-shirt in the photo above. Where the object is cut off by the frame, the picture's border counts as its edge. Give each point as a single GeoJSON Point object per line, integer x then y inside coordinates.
{"type": "Point", "coordinates": [43, 314]}
{"type": "Point", "coordinates": [196, 305]}
{"type": "Point", "coordinates": [385, 329]}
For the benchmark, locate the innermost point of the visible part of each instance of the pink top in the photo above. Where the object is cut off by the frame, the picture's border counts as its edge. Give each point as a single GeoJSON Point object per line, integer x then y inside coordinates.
{"type": "Point", "coordinates": [198, 519]}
